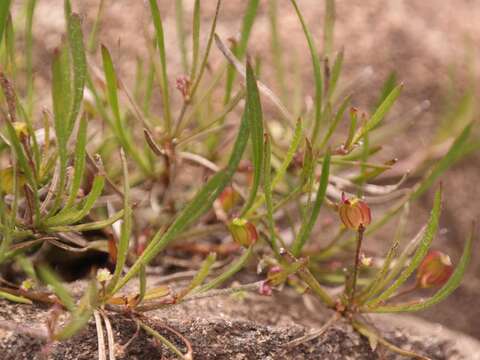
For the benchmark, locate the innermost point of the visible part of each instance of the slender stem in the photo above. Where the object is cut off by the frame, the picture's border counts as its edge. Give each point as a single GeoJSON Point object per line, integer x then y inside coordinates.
{"type": "Point", "coordinates": [361, 230]}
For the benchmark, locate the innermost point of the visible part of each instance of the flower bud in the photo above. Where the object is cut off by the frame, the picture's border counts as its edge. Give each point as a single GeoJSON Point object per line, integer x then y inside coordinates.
{"type": "Point", "coordinates": [21, 129]}
{"type": "Point", "coordinates": [434, 270]}
{"type": "Point", "coordinates": [228, 198]}
{"type": "Point", "coordinates": [265, 289]}
{"type": "Point", "coordinates": [354, 213]}
{"type": "Point", "coordinates": [104, 275]}
{"type": "Point", "coordinates": [243, 232]}
{"type": "Point", "coordinates": [184, 86]}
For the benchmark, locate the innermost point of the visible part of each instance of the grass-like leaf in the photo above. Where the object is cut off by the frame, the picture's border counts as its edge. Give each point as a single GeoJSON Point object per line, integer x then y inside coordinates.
{"type": "Point", "coordinates": [307, 225]}
{"type": "Point", "coordinates": [119, 125]}
{"type": "Point", "coordinates": [159, 36]}
{"type": "Point", "coordinates": [267, 188]}
{"type": "Point", "coordinates": [317, 72]}
{"type": "Point", "coordinates": [240, 48]}
{"type": "Point", "coordinates": [49, 277]}
{"type": "Point", "coordinates": [126, 229]}
{"type": "Point", "coordinates": [420, 253]}
{"type": "Point", "coordinates": [450, 286]}
{"type": "Point", "coordinates": [195, 38]}
{"type": "Point", "coordinates": [328, 28]}
{"type": "Point", "coordinates": [15, 298]}
{"type": "Point", "coordinates": [202, 201]}
{"type": "Point", "coordinates": [200, 276]}
{"type": "Point", "coordinates": [379, 114]}
{"type": "Point", "coordinates": [71, 216]}
{"type": "Point", "coordinates": [445, 162]}
{"type": "Point", "coordinates": [4, 11]}
{"type": "Point", "coordinates": [79, 63]}
{"type": "Point", "coordinates": [235, 267]}
{"type": "Point", "coordinates": [253, 112]}
{"type": "Point", "coordinates": [333, 126]}
{"type": "Point", "coordinates": [79, 168]}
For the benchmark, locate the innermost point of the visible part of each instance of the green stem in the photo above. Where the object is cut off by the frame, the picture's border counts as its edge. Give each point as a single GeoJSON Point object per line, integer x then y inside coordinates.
{"type": "Point", "coordinates": [361, 230]}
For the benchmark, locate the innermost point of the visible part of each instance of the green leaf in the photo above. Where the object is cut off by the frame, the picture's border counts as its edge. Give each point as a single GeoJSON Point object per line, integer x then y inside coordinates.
{"type": "Point", "coordinates": [452, 284]}
{"type": "Point", "coordinates": [195, 39]}
{"type": "Point", "coordinates": [307, 225]}
{"type": "Point", "coordinates": [329, 26]}
{"type": "Point", "coordinates": [420, 253]}
{"type": "Point", "coordinates": [201, 202]}
{"type": "Point", "coordinates": [253, 112]}
{"type": "Point", "coordinates": [379, 114]}
{"type": "Point", "coordinates": [240, 48]}
{"type": "Point", "coordinates": [70, 216]}
{"type": "Point", "coordinates": [335, 75]}
{"type": "Point", "coordinates": [79, 162]}
{"type": "Point", "coordinates": [387, 87]}
{"type": "Point", "coordinates": [14, 298]}
{"type": "Point", "coordinates": [333, 126]}
{"type": "Point", "coordinates": [383, 276]}
{"type": "Point", "coordinates": [80, 317]}
{"type": "Point", "coordinates": [159, 36]}
{"type": "Point", "coordinates": [267, 188]}
{"type": "Point", "coordinates": [79, 63]}
{"type": "Point", "coordinates": [126, 230]}
{"type": "Point", "coordinates": [179, 13]}
{"type": "Point", "coordinates": [4, 11]}
{"type": "Point", "coordinates": [200, 276]}
{"type": "Point", "coordinates": [235, 267]}
{"type": "Point", "coordinates": [317, 72]}
{"type": "Point", "coordinates": [445, 162]}
{"type": "Point", "coordinates": [292, 149]}
{"type": "Point", "coordinates": [118, 125]}
{"type": "Point", "coordinates": [48, 277]}
{"type": "Point", "coordinates": [295, 142]}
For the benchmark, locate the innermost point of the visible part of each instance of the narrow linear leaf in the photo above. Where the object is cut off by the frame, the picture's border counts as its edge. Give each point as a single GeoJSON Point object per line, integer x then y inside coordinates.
{"type": "Point", "coordinates": [126, 228]}
{"type": "Point", "coordinates": [195, 38]}
{"type": "Point", "coordinates": [14, 298]}
{"type": "Point", "coordinates": [420, 253]}
{"type": "Point", "coordinates": [159, 36]}
{"type": "Point", "coordinates": [79, 63]}
{"type": "Point", "coordinates": [51, 279]}
{"type": "Point", "coordinates": [329, 27]}
{"type": "Point", "coordinates": [452, 284]}
{"type": "Point", "coordinates": [200, 276]}
{"type": "Point", "coordinates": [307, 225]}
{"type": "Point", "coordinates": [235, 267]}
{"type": "Point", "coordinates": [241, 47]}
{"type": "Point", "coordinates": [253, 112]}
{"type": "Point", "coordinates": [79, 168]}
{"type": "Point", "coordinates": [333, 126]}
{"type": "Point", "coordinates": [445, 162]}
{"type": "Point", "coordinates": [379, 114]}
{"type": "Point", "coordinates": [201, 202]}
{"type": "Point", "coordinates": [317, 72]}
{"type": "Point", "coordinates": [4, 11]}
{"type": "Point", "coordinates": [267, 188]}
{"type": "Point", "coordinates": [70, 216]}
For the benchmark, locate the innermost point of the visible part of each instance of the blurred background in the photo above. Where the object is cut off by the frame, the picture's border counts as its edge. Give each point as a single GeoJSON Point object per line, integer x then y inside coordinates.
{"type": "Point", "coordinates": [432, 46]}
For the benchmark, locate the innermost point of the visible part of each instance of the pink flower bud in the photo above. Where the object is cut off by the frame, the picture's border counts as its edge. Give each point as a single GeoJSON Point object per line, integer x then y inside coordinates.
{"type": "Point", "coordinates": [354, 213]}
{"type": "Point", "coordinates": [265, 289]}
{"type": "Point", "coordinates": [184, 85]}
{"type": "Point", "coordinates": [243, 232]}
{"type": "Point", "coordinates": [435, 270]}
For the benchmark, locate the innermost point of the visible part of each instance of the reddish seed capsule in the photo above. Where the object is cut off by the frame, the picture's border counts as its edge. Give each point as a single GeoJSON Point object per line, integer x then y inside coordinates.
{"type": "Point", "coordinates": [435, 270]}
{"type": "Point", "coordinates": [243, 232]}
{"type": "Point", "coordinates": [354, 213]}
